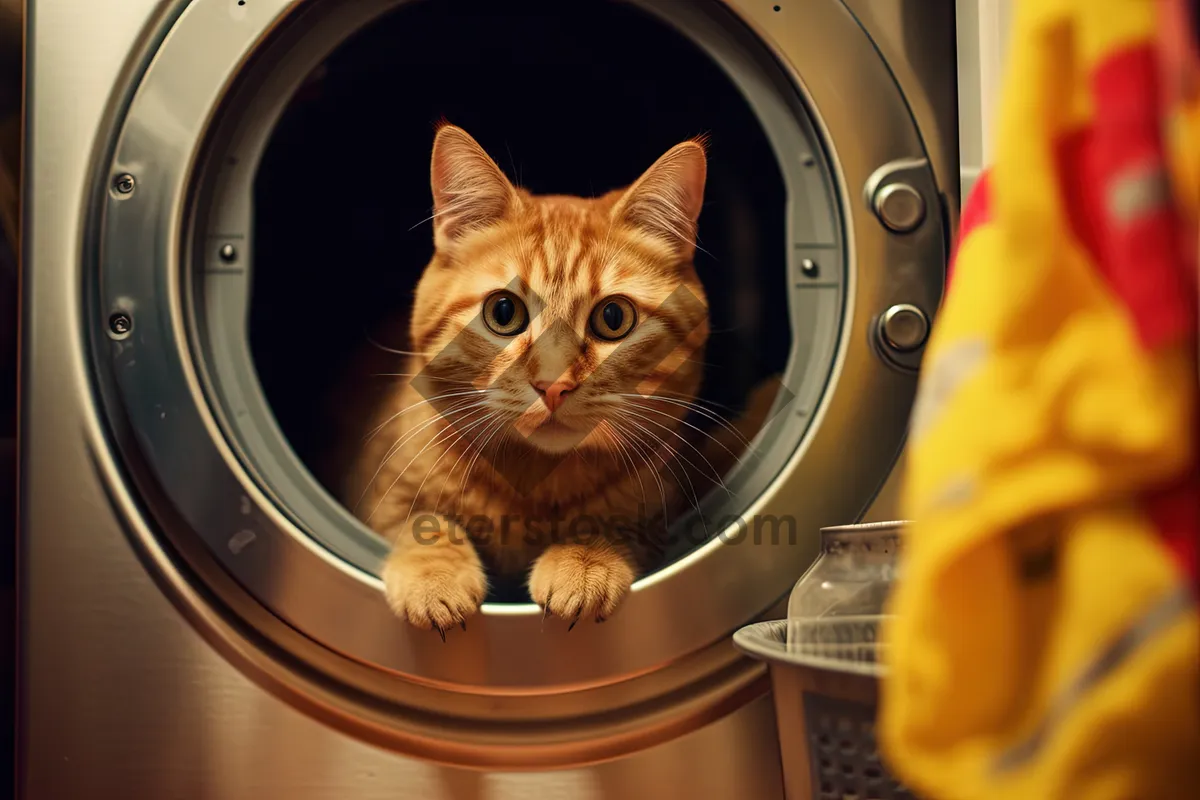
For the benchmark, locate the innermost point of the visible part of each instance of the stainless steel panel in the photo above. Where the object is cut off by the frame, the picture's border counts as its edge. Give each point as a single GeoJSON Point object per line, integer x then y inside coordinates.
{"type": "Point", "coordinates": [917, 38]}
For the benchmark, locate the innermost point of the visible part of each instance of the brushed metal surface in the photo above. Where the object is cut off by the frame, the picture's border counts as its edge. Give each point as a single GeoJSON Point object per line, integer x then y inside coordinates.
{"type": "Point", "coordinates": [918, 39]}
{"type": "Point", "coordinates": [136, 681]}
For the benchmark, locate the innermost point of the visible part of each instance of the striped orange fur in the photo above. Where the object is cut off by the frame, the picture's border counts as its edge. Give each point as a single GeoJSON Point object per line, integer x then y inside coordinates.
{"type": "Point", "coordinates": [475, 436]}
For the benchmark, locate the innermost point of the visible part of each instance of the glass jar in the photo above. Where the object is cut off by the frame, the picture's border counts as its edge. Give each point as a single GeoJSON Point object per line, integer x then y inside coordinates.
{"type": "Point", "coordinates": [837, 607]}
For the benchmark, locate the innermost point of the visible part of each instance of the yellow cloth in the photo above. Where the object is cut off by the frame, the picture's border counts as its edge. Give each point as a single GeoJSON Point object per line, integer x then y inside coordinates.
{"type": "Point", "coordinates": [1045, 643]}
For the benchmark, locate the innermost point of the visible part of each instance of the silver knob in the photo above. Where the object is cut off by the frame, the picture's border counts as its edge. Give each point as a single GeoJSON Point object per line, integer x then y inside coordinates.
{"type": "Point", "coordinates": [899, 206]}
{"type": "Point", "coordinates": [904, 328]}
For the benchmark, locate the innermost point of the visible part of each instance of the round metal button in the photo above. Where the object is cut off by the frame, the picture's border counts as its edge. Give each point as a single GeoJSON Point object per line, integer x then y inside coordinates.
{"type": "Point", "coordinates": [900, 207]}
{"type": "Point", "coordinates": [904, 328]}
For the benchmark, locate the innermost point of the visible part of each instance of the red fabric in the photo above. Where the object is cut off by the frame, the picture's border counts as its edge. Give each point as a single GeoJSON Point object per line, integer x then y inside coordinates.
{"type": "Point", "coordinates": [1084, 207]}
{"type": "Point", "coordinates": [1175, 512]}
{"type": "Point", "coordinates": [1140, 257]}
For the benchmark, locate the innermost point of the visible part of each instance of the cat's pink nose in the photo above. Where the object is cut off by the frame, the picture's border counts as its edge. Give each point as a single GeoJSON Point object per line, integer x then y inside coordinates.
{"type": "Point", "coordinates": [554, 392]}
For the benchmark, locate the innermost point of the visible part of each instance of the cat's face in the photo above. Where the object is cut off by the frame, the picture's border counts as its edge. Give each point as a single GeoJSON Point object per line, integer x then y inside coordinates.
{"type": "Point", "coordinates": [552, 318]}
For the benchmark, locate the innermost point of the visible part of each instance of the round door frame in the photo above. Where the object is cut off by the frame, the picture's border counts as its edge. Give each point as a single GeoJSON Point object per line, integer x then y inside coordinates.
{"type": "Point", "coordinates": [160, 420]}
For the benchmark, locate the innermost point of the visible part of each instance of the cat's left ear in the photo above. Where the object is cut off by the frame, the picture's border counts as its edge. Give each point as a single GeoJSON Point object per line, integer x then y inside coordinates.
{"type": "Point", "coordinates": [665, 202]}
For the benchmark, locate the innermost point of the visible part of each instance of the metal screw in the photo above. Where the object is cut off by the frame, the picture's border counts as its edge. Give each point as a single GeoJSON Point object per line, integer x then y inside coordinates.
{"type": "Point", "coordinates": [120, 323]}
{"type": "Point", "coordinates": [124, 183]}
{"type": "Point", "coordinates": [810, 268]}
{"type": "Point", "coordinates": [228, 253]}
{"type": "Point", "coordinates": [904, 327]}
{"type": "Point", "coordinates": [900, 207]}
{"type": "Point", "coordinates": [808, 160]}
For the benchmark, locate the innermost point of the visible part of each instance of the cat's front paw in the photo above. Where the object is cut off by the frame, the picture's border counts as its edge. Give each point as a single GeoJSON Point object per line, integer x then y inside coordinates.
{"type": "Point", "coordinates": [436, 586]}
{"type": "Point", "coordinates": [576, 581]}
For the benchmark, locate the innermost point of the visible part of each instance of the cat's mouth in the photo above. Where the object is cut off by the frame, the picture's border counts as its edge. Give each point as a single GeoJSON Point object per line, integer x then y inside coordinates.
{"type": "Point", "coordinates": [552, 433]}
{"type": "Point", "coordinates": [555, 436]}
{"type": "Point", "coordinates": [553, 424]}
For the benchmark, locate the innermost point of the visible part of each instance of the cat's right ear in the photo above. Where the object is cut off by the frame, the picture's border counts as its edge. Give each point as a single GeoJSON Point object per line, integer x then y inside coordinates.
{"type": "Point", "coordinates": [469, 190]}
{"type": "Point", "coordinates": [665, 202]}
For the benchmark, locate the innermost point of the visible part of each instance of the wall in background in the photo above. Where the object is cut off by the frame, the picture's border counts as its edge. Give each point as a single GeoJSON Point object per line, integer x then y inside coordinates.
{"type": "Point", "coordinates": [983, 28]}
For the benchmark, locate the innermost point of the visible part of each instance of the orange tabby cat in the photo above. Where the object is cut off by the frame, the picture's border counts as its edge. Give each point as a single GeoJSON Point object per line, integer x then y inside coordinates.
{"type": "Point", "coordinates": [557, 344]}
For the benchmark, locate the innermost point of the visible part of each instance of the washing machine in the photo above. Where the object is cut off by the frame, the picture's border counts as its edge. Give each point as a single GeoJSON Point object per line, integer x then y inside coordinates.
{"type": "Point", "coordinates": [225, 199]}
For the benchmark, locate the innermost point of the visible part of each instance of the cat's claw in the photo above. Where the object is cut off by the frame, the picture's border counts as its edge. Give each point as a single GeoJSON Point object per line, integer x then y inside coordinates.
{"type": "Point", "coordinates": [435, 587]}
{"type": "Point", "coordinates": [570, 581]}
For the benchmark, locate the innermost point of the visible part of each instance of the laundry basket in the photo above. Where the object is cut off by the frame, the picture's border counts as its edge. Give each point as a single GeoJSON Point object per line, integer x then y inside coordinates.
{"type": "Point", "coordinates": [825, 667]}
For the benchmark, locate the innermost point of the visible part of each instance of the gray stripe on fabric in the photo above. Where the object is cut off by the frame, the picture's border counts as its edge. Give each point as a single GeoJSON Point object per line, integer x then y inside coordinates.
{"type": "Point", "coordinates": [1153, 622]}
{"type": "Point", "coordinates": [1136, 193]}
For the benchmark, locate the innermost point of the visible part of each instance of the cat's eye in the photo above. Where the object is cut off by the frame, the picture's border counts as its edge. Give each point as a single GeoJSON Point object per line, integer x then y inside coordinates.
{"type": "Point", "coordinates": [505, 314]}
{"type": "Point", "coordinates": [613, 318]}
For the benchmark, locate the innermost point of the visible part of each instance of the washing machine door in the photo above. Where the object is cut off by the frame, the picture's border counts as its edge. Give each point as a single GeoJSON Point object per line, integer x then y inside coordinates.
{"type": "Point", "coordinates": [265, 546]}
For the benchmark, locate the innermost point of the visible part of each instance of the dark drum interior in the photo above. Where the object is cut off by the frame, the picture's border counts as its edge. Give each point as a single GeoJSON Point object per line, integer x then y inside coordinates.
{"type": "Point", "coordinates": [569, 97]}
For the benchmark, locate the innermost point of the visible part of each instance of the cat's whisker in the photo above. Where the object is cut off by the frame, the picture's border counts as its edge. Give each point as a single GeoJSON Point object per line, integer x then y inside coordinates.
{"type": "Point", "coordinates": [445, 415]}
{"type": "Point", "coordinates": [686, 401]}
{"type": "Point", "coordinates": [499, 462]}
{"type": "Point", "coordinates": [689, 398]}
{"type": "Point", "coordinates": [437, 439]}
{"type": "Point", "coordinates": [695, 498]}
{"type": "Point", "coordinates": [691, 406]}
{"type": "Point", "coordinates": [622, 449]}
{"type": "Point", "coordinates": [448, 210]}
{"type": "Point", "coordinates": [470, 453]}
{"type": "Point", "coordinates": [697, 429]}
{"type": "Point", "coordinates": [421, 375]}
{"type": "Point", "coordinates": [418, 404]}
{"type": "Point", "coordinates": [610, 449]}
{"type": "Point", "coordinates": [422, 222]}
{"type": "Point", "coordinates": [436, 398]}
{"type": "Point", "coordinates": [416, 496]}
{"type": "Point", "coordinates": [639, 448]}
{"type": "Point", "coordinates": [473, 450]}
{"type": "Point", "coordinates": [387, 349]}
{"type": "Point", "coordinates": [699, 362]}
{"type": "Point", "coordinates": [489, 434]}
{"type": "Point", "coordinates": [632, 411]}
{"type": "Point", "coordinates": [437, 504]}
{"type": "Point", "coordinates": [716, 475]}
{"type": "Point", "coordinates": [469, 405]}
